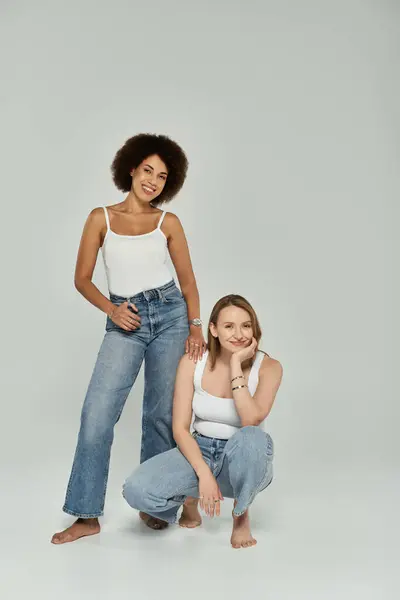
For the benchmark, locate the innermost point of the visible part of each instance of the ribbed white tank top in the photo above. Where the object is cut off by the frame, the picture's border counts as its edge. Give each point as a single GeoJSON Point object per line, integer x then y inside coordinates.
{"type": "Point", "coordinates": [217, 417]}
{"type": "Point", "coordinates": [135, 263]}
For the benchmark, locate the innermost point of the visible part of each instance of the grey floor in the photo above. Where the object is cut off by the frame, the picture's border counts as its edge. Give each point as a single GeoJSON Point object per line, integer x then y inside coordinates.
{"type": "Point", "coordinates": [320, 536]}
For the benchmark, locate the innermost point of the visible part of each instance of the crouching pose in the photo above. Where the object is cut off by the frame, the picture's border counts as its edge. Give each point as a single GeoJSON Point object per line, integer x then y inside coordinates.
{"type": "Point", "coordinates": [230, 392]}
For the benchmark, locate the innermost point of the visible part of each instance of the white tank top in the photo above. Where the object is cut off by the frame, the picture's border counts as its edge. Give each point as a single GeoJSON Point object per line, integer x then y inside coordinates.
{"type": "Point", "coordinates": [217, 417]}
{"type": "Point", "coordinates": [135, 263]}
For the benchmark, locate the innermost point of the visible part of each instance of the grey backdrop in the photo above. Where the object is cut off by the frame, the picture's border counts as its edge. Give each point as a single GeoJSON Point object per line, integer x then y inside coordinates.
{"type": "Point", "coordinates": [289, 114]}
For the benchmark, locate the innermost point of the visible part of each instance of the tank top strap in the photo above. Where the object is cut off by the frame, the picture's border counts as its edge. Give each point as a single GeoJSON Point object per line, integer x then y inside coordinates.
{"type": "Point", "coordinates": [107, 218]}
{"type": "Point", "coordinates": [161, 219]}
{"type": "Point", "coordinates": [198, 372]}
{"type": "Point", "coordinates": [253, 376]}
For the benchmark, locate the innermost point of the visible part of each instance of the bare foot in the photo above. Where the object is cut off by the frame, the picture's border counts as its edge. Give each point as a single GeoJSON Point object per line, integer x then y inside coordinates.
{"type": "Point", "coordinates": [190, 516]}
{"type": "Point", "coordinates": [152, 522]}
{"type": "Point", "coordinates": [241, 534]}
{"type": "Point", "coordinates": [81, 528]}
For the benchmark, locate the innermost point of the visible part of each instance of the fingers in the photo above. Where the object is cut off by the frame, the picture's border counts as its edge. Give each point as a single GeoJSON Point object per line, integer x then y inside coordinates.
{"type": "Point", "coordinates": [126, 317]}
{"type": "Point", "coordinates": [195, 350]}
{"type": "Point", "coordinates": [210, 505]}
{"type": "Point", "coordinates": [192, 349]}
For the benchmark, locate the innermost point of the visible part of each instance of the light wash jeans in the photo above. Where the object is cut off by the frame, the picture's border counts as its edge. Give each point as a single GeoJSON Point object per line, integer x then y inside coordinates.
{"type": "Point", "coordinates": [160, 342]}
{"type": "Point", "coordinates": [241, 465]}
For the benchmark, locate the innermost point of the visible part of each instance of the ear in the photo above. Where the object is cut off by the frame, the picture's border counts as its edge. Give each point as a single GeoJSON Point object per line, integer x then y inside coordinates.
{"type": "Point", "coordinates": [213, 330]}
{"type": "Point", "coordinates": [132, 172]}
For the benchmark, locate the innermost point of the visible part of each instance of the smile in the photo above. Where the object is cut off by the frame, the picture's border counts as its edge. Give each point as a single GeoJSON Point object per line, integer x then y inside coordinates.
{"type": "Point", "coordinates": [148, 189]}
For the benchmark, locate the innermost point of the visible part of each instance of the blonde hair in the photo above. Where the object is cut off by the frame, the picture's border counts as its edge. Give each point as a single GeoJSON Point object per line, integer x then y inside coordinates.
{"type": "Point", "coordinates": [214, 346]}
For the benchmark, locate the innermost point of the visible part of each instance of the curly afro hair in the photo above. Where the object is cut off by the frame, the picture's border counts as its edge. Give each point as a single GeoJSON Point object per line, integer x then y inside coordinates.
{"type": "Point", "coordinates": [139, 147]}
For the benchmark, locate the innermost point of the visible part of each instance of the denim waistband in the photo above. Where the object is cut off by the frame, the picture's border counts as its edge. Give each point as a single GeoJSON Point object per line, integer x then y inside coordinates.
{"type": "Point", "coordinates": [155, 293]}
{"type": "Point", "coordinates": [204, 439]}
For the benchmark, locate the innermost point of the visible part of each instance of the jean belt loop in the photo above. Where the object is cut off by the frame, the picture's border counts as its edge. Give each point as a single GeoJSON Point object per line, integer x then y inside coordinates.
{"type": "Point", "coordinates": [160, 295]}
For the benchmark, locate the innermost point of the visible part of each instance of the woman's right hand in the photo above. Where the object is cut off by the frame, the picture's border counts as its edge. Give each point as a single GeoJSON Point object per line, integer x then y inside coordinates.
{"type": "Point", "coordinates": [209, 494]}
{"type": "Point", "coordinates": [123, 316]}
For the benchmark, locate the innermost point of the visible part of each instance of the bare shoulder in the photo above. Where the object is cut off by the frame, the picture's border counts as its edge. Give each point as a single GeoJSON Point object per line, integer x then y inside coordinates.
{"type": "Point", "coordinates": [96, 219]}
{"type": "Point", "coordinates": [187, 366]}
{"type": "Point", "coordinates": [171, 223]}
{"type": "Point", "coordinates": [270, 367]}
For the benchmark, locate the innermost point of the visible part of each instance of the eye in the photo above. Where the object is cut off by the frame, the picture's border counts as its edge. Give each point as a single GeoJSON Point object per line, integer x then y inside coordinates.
{"type": "Point", "coordinates": [147, 170]}
{"type": "Point", "coordinates": [163, 177]}
{"type": "Point", "coordinates": [228, 326]}
{"type": "Point", "coordinates": [248, 325]}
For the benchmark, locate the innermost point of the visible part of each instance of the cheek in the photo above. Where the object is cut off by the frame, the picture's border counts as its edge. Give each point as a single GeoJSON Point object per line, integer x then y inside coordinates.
{"type": "Point", "coordinates": [225, 335]}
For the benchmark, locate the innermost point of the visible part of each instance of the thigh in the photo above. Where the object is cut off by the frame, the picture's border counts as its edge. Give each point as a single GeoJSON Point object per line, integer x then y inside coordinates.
{"type": "Point", "coordinates": [162, 359]}
{"type": "Point", "coordinates": [118, 363]}
{"type": "Point", "coordinates": [166, 475]}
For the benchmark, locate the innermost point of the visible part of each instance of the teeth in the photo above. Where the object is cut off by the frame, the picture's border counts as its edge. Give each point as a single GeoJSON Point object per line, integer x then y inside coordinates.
{"type": "Point", "coordinates": [148, 189]}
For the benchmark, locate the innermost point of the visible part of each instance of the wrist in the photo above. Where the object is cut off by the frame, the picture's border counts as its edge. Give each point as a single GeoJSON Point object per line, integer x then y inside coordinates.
{"type": "Point", "coordinates": [235, 361]}
{"type": "Point", "coordinates": [203, 470]}
{"type": "Point", "coordinates": [195, 323]}
{"type": "Point", "coordinates": [111, 310]}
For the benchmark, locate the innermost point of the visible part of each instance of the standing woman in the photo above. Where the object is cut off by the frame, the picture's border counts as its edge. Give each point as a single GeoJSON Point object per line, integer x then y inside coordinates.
{"type": "Point", "coordinates": [148, 318]}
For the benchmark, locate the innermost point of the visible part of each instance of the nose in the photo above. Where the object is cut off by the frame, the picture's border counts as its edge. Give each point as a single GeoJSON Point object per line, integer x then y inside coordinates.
{"type": "Point", "coordinates": [238, 335]}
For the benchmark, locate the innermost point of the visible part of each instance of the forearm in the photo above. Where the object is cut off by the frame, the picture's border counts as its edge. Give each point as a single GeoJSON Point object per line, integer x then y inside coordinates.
{"type": "Point", "coordinates": [191, 451]}
{"type": "Point", "coordinates": [192, 299]}
{"type": "Point", "coordinates": [246, 406]}
{"type": "Point", "coordinates": [89, 291]}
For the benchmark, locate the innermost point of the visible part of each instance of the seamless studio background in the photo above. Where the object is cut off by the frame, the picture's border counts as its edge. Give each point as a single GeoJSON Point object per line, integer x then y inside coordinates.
{"type": "Point", "coordinates": [289, 114]}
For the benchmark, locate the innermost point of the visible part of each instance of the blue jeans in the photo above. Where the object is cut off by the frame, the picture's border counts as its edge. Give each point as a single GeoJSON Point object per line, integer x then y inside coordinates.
{"type": "Point", "coordinates": [160, 342]}
{"type": "Point", "coordinates": [241, 465]}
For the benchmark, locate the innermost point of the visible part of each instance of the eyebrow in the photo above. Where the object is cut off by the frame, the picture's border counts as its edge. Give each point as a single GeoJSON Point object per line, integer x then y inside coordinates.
{"type": "Point", "coordinates": [231, 322]}
{"type": "Point", "coordinates": [150, 167]}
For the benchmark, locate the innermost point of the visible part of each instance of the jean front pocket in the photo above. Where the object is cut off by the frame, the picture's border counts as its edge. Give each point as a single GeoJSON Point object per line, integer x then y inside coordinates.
{"type": "Point", "coordinates": [110, 325]}
{"type": "Point", "coordinates": [174, 295]}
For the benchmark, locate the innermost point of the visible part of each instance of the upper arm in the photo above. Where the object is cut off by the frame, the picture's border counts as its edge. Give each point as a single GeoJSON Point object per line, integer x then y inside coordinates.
{"type": "Point", "coordinates": [270, 377]}
{"type": "Point", "coordinates": [183, 395]}
{"type": "Point", "coordinates": [178, 249]}
{"type": "Point", "coordinates": [91, 240]}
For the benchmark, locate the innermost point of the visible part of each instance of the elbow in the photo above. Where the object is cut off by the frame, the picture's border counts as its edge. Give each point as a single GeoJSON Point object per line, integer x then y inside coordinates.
{"type": "Point", "coordinates": [179, 433]}
{"type": "Point", "coordinates": [79, 283]}
{"type": "Point", "coordinates": [252, 421]}
{"type": "Point", "coordinates": [189, 286]}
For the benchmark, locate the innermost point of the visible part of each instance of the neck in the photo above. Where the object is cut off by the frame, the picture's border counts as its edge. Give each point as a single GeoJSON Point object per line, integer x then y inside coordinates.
{"type": "Point", "coordinates": [224, 357]}
{"type": "Point", "coordinates": [134, 205]}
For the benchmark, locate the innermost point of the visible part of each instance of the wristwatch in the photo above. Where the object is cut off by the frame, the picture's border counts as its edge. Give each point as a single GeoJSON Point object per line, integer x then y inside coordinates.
{"type": "Point", "coordinates": [196, 322]}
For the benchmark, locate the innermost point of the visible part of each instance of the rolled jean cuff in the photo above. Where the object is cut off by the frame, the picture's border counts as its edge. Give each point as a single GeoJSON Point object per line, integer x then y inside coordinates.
{"type": "Point", "coordinates": [169, 516]}
{"type": "Point", "coordinates": [78, 515]}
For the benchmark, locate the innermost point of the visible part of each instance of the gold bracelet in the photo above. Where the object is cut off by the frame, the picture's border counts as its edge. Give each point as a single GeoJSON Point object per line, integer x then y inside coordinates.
{"type": "Point", "coordinates": [238, 377]}
{"type": "Point", "coordinates": [238, 387]}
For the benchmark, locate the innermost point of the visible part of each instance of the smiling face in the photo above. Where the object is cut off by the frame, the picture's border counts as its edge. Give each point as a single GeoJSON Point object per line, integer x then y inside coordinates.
{"type": "Point", "coordinates": [149, 178]}
{"type": "Point", "coordinates": [234, 328]}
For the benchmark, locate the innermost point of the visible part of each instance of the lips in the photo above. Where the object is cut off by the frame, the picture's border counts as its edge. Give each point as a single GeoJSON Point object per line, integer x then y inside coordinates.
{"type": "Point", "coordinates": [148, 189]}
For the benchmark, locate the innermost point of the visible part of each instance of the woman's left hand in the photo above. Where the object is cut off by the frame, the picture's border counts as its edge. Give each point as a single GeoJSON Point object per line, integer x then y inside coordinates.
{"type": "Point", "coordinates": [246, 352]}
{"type": "Point", "coordinates": [195, 344]}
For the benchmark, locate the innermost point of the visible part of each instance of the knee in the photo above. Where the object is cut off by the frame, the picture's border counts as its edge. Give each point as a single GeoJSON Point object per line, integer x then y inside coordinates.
{"type": "Point", "coordinates": [253, 441]}
{"type": "Point", "coordinates": [251, 434]}
{"type": "Point", "coordinates": [133, 492]}
{"type": "Point", "coordinates": [96, 426]}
